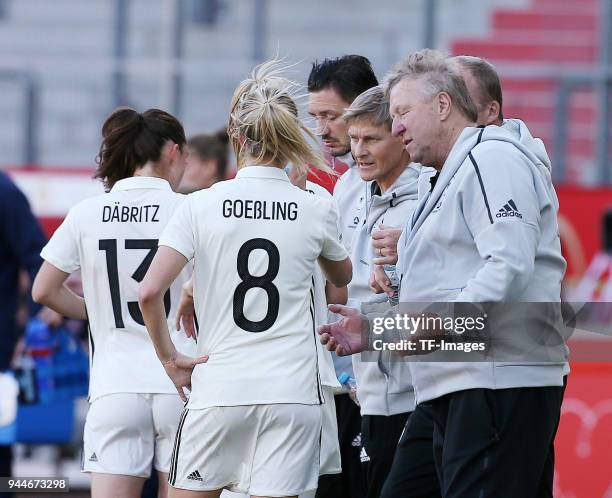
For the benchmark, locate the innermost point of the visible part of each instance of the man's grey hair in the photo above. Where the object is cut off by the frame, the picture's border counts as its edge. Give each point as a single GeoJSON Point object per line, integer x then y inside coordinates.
{"type": "Point", "coordinates": [372, 105]}
{"type": "Point", "coordinates": [436, 69]}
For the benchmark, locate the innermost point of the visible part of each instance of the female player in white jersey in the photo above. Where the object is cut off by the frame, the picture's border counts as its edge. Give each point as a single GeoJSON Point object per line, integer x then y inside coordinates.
{"type": "Point", "coordinates": [112, 239]}
{"type": "Point", "coordinates": [253, 420]}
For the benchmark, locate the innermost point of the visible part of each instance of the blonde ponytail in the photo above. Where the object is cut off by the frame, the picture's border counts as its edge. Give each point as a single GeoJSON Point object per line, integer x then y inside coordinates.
{"type": "Point", "coordinates": [264, 126]}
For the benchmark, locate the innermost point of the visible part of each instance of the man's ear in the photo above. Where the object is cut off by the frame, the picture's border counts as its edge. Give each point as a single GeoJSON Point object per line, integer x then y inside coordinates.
{"type": "Point", "coordinates": [493, 112]}
{"type": "Point", "coordinates": [444, 105]}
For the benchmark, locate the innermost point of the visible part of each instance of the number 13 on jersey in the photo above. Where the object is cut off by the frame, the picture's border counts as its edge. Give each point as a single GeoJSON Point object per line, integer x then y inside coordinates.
{"type": "Point", "coordinates": [109, 246]}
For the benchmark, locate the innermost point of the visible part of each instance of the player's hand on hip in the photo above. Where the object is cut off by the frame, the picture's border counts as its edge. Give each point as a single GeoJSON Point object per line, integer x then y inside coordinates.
{"type": "Point", "coordinates": [185, 315]}
{"type": "Point", "coordinates": [344, 336]}
{"type": "Point", "coordinates": [179, 368]}
{"type": "Point", "coordinates": [384, 241]}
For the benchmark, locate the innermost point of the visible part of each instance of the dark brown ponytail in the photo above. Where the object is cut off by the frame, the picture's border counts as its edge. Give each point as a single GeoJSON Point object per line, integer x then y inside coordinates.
{"type": "Point", "coordinates": [131, 139]}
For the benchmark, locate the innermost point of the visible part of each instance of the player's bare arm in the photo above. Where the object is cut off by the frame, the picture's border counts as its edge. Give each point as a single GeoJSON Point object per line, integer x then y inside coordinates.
{"type": "Point", "coordinates": [339, 273]}
{"type": "Point", "coordinates": [165, 267]}
{"type": "Point", "coordinates": [50, 290]}
{"type": "Point", "coordinates": [335, 295]}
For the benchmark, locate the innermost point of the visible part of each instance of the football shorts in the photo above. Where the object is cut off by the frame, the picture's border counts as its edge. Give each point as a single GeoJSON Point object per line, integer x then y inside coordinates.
{"type": "Point", "coordinates": [264, 450]}
{"type": "Point", "coordinates": [127, 433]}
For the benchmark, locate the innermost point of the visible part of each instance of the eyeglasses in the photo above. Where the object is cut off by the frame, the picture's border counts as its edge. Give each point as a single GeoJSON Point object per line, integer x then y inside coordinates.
{"type": "Point", "coordinates": [321, 125]}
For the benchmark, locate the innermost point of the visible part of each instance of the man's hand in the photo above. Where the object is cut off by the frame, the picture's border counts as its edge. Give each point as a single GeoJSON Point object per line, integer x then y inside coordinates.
{"type": "Point", "coordinates": [185, 314]}
{"type": "Point", "coordinates": [379, 282]}
{"type": "Point", "coordinates": [373, 284]}
{"type": "Point", "coordinates": [384, 241]}
{"type": "Point", "coordinates": [344, 336]}
{"type": "Point", "coordinates": [179, 368]}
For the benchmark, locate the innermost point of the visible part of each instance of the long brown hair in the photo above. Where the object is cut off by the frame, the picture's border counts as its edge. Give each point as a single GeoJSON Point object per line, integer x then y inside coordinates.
{"type": "Point", "coordinates": [131, 139]}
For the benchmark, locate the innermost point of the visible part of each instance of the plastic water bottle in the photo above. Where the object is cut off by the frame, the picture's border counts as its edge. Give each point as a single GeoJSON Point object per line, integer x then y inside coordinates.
{"type": "Point", "coordinates": [347, 381]}
{"type": "Point", "coordinates": [39, 341]}
{"type": "Point", "coordinates": [391, 273]}
{"type": "Point", "coordinates": [350, 384]}
{"type": "Point", "coordinates": [26, 376]}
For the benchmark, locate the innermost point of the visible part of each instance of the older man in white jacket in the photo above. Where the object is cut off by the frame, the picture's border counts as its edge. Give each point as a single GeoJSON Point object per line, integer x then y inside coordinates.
{"type": "Point", "coordinates": [384, 387]}
{"type": "Point", "coordinates": [484, 87]}
{"type": "Point", "coordinates": [486, 232]}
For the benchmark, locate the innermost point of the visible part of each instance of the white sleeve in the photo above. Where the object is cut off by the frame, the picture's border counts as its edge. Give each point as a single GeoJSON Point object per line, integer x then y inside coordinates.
{"type": "Point", "coordinates": [336, 208]}
{"type": "Point", "coordinates": [504, 217]}
{"type": "Point", "coordinates": [62, 251]}
{"type": "Point", "coordinates": [332, 249]}
{"type": "Point", "coordinates": [179, 232]}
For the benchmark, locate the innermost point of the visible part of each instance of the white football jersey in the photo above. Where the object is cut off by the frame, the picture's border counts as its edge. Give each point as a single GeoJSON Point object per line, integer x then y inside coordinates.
{"type": "Point", "coordinates": [255, 241]}
{"type": "Point", "coordinates": [112, 238]}
{"type": "Point", "coordinates": [326, 363]}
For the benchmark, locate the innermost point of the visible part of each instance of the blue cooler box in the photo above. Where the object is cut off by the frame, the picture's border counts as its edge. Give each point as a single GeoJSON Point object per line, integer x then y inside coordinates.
{"type": "Point", "coordinates": [8, 433]}
{"type": "Point", "coordinates": [46, 423]}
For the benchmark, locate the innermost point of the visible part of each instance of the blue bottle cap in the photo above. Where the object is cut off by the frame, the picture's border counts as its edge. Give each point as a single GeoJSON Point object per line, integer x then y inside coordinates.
{"type": "Point", "coordinates": [343, 378]}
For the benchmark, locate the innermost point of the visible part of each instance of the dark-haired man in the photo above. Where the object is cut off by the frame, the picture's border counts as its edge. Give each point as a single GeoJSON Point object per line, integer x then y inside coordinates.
{"type": "Point", "coordinates": [333, 84]}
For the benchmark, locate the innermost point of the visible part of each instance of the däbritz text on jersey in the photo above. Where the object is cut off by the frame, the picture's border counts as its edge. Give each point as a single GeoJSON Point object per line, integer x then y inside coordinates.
{"type": "Point", "coordinates": [125, 214]}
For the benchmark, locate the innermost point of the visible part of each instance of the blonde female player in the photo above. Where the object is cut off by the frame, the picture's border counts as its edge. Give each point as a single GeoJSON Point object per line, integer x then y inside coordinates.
{"type": "Point", "coordinates": [324, 293]}
{"type": "Point", "coordinates": [253, 420]}
{"type": "Point", "coordinates": [112, 238]}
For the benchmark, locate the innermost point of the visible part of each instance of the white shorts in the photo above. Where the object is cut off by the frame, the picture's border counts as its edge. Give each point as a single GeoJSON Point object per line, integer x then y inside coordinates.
{"type": "Point", "coordinates": [264, 450]}
{"type": "Point", "coordinates": [126, 433]}
{"type": "Point", "coordinates": [330, 446]}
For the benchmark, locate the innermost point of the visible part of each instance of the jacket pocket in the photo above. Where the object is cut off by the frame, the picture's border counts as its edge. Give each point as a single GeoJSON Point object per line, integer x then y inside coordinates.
{"type": "Point", "coordinates": [399, 379]}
